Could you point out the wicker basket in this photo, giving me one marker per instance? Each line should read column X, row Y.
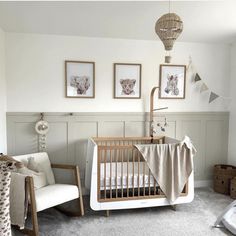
column 222, row 177
column 233, row 188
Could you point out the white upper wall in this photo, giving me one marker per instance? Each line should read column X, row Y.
column 36, row 76
column 2, row 94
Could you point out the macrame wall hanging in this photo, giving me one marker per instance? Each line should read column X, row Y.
column 42, row 128
column 168, row 28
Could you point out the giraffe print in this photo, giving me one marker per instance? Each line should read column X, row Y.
column 6, row 166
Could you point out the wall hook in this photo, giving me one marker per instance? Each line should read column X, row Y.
column 41, row 116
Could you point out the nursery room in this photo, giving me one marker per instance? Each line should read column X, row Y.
column 117, row 118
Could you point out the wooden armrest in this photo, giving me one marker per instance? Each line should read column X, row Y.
column 75, row 168
column 29, row 178
column 63, row 166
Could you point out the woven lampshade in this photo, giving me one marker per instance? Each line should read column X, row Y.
column 168, row 28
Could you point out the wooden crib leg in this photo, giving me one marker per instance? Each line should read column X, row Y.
column 107, row 213
column 174, row 207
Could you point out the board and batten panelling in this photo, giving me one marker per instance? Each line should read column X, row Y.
column 215, row 151
column 68, row 135
column 192, row 128
column 111, row 129
column 135, row 128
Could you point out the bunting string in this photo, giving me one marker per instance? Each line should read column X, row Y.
column 203, row 88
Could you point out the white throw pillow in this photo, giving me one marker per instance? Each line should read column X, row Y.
column 33, row 165
column 42, row 165
column 39, row 178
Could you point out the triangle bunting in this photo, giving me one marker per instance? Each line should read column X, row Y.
column 213, row 96
column 203, row 88
column 197, row 78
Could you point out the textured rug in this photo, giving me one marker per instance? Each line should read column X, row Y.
column 191, row 219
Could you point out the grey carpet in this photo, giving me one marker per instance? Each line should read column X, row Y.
column 191, row 219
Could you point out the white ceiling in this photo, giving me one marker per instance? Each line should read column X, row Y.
column 204, row 21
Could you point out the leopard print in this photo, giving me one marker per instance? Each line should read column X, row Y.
column 127, row 86
column 6, row 166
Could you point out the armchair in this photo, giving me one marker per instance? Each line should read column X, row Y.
column 53, row 194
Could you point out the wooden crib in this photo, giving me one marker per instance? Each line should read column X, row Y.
column 121, row 178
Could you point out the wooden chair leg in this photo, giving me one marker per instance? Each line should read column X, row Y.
column 35, row 227
column 30, row 189
column 174, row 207
column 26, row 231
column 78, row 182
column 81, row 205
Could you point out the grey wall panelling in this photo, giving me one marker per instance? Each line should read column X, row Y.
column 67, row 138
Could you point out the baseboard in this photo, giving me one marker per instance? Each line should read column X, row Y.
column 203, row 183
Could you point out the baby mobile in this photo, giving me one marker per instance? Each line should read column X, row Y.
column 213, row 95
column 42, row 128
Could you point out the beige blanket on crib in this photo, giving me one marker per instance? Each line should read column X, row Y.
column 171, row 164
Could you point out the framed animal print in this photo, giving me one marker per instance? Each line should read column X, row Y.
column 127, row 80
column 80, row 79
column 172, row 81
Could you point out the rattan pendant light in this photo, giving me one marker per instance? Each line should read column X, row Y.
column 168, row 27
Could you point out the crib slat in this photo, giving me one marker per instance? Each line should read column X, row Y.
column 133, row 153
column 144, row 175
column 127, row 179
column 116, row 173
column 105, row 170
column 154, row 186
column 122, row 156
column 138, row 173
column 99, row 175
column 149, row 179
column 110, row 173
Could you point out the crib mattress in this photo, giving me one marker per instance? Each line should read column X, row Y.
column 137, row 175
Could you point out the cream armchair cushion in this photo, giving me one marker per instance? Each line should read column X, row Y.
column 53, row 195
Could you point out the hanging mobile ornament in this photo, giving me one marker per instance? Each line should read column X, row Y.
column 42, row 128
column 165, row 124
column 163, row 129
column 168, row 28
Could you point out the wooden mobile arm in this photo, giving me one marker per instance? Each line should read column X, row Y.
column 151, row 128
